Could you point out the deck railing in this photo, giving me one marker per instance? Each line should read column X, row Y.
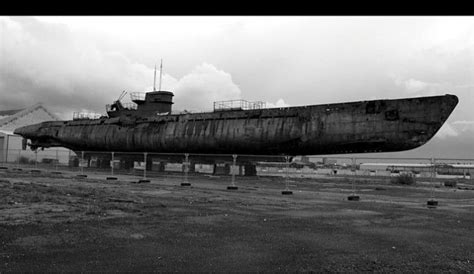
column 86, row 115
column 238, row 105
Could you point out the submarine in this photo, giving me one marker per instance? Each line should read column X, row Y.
column 241, row 127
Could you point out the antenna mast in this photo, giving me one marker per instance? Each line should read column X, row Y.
column 154, row 80
column 161, row 69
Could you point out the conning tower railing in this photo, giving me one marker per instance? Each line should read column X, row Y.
column 238, row 105
column 128, row 106
column 137, row 96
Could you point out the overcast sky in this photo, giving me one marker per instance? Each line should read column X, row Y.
column 79, row 63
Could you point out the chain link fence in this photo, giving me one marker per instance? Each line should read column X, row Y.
column 148, row 165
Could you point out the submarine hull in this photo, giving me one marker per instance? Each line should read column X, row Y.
column 353, row 127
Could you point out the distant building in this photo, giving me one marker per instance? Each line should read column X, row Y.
column 11, row 147
column 464, row 170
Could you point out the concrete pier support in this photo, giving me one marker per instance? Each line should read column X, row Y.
column 221, row 169
column 250, row 170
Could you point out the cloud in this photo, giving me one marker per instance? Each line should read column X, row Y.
column 464, row 126
column 461, row 130
column 44, row 62
column 446, row 131
column 413, row 85
column 280, row 103
column 204, row 85
column 463, row 122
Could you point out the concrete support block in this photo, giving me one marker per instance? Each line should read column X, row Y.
column 353, row 198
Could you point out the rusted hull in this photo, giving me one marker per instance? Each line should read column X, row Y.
column 354, row 127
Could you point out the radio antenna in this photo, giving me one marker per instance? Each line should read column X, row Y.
column 154, row 80
column 161, row 69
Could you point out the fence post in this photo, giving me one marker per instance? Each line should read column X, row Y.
column 57, row 160
column 68, row 159
column 144, row 180
column 432, row 203
column 353, row 196
column 8, row 149
column 186, row 169
column 82, row 162
column 144, row 168
column 353, row 175
column 287, row 190
column 234, row 160
column 36, row 158
column 432, row 177
column 19, row 156
column 112, row 165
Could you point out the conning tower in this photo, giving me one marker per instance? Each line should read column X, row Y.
column 152, row 103
column 146, row 104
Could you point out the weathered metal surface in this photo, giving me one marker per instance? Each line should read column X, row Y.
column 354, row 127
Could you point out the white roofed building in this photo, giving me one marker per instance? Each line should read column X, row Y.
column 11, row 147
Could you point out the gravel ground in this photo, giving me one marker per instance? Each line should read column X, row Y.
column 57, row 222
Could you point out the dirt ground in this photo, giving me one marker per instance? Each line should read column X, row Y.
column 58, row 222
